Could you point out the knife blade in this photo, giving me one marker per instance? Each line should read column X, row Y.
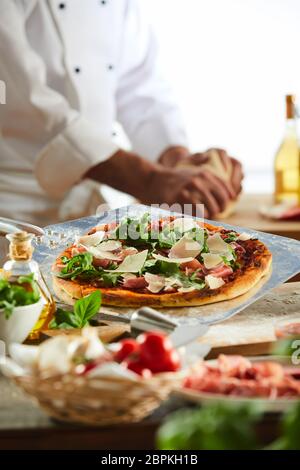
column 186, row 334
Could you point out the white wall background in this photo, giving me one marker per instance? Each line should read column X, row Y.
column 230, row 63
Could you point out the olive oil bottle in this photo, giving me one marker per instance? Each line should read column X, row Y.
column 287, row 160
column 22, row 264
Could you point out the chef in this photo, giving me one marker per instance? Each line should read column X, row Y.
column 72, row 69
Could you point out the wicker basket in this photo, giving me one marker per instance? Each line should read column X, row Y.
column 100, row 400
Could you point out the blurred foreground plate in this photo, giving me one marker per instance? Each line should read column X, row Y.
column 267, row 405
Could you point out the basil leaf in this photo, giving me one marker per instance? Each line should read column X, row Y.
column 84, row 310
column 87, row 307
column 63, row 320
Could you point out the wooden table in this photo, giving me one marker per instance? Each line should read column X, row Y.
column 24, row 426
column 247, row 215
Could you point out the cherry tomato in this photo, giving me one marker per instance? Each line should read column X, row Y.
column 127, row 347
column 138, row 367
column 157, row 354
column 172, row 362
column 153, row 346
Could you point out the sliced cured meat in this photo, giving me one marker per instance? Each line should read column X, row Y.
column 234, row 366
column 221, row 271
column 135, row 283
column 237, row 376
column 101, row 263
column 192, row 266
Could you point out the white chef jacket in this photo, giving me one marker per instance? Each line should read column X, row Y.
column 72, row 69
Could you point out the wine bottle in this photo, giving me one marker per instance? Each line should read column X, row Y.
column 287, row 160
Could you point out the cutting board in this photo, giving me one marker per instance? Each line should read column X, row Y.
column 250, row 332
column 107, row 333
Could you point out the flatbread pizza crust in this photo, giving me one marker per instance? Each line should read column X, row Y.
column 68, row 291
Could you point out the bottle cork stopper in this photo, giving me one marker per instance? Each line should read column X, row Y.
column 290, row 101
column 20, row 248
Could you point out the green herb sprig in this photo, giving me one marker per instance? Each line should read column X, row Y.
column 84, row 310
column 16, row 295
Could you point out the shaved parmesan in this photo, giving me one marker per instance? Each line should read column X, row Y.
column 110, row 245
column 101, row 254
column 216, row 244
column 171, row 260
column 211, row 260
column 100, row 249
column 171, row 282
column 186, row 247
column 132, row 263
column 184, row 224
column 155, row 282
column 127, row 276
column 91, row 240
column 214, row 282
column 244, row 236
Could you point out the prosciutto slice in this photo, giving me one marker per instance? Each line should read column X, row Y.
column 237, row 376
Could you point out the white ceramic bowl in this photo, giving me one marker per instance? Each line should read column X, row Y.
column 17, row 327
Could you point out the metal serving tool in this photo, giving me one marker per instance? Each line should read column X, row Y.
column 147, row 319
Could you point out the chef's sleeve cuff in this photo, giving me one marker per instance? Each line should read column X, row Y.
column 64, row 160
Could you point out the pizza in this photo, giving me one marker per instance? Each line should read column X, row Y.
column 170, row 262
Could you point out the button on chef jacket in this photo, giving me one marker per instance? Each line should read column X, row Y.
column 71, row 70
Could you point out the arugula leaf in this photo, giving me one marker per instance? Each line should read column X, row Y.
column 195, row 281
column 149, row 263
column 78, row 265
column 230, row 237
column 13, row 295
column 3, row 284
column 110, row 279
column 168, row 238
column 29, row 279
column 84, row 310
column 64, row 259
column 133, row 229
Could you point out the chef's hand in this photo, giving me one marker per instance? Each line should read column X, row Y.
column 183, row 187
column 154, row 183
column 179, row 157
